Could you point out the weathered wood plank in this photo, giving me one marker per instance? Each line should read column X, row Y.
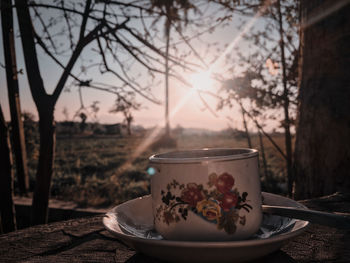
column 320, row 243
column 86, row 240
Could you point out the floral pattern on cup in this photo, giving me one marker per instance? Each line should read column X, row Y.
column 219, row 202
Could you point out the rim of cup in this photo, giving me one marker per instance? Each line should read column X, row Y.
column 204, row 155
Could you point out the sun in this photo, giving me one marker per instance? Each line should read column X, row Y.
column 202, row 81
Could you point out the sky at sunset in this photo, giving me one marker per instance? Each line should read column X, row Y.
column 192, row 114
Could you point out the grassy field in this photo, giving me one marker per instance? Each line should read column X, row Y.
column 88, row 168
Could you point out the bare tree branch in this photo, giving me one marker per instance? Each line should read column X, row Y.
column 48, row 35
column 265, row 133
column 43, row 46
column 84, row 21
column 70, row 35
column 76, row 53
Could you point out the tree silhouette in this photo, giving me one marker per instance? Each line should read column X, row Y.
column 126, row 106
column 104, row 23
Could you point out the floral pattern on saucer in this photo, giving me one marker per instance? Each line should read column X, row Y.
column 218, row 203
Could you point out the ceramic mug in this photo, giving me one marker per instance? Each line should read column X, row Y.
column 206, row 195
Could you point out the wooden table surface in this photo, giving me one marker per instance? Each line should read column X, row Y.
column 86, row 240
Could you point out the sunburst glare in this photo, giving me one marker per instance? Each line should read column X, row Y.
column 202, row 81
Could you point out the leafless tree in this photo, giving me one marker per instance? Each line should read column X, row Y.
column 102, row 22
column 124, row 47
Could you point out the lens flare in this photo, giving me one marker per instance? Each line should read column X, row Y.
column 151, row 171
column 202, row 81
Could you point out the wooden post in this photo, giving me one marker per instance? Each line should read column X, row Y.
column 17, row 131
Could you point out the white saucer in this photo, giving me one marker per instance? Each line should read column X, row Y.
column 132, row 222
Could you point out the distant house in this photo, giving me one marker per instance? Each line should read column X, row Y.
column 117, row 129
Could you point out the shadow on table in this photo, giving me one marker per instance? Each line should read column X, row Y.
column 277, row 257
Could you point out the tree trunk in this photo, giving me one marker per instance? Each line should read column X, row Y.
column 286, row 124
column 128, row 125
column 45, row 166
column 167, row 33
column 46, row 103
column 7, row 208
column 322, row 149
column 17, row 131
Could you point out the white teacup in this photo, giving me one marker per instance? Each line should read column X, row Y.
column 209, row 194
